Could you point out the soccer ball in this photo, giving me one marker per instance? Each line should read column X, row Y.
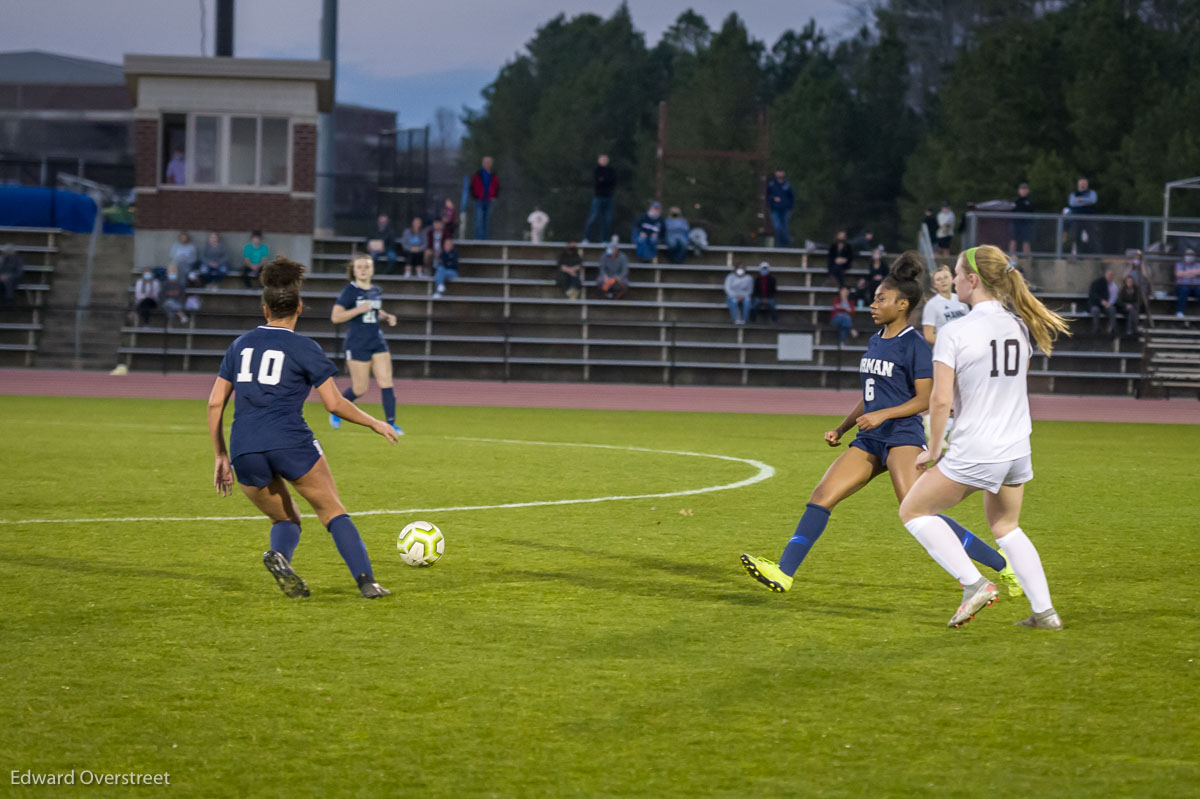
column 421, row 544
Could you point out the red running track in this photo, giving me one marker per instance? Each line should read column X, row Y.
column 598, row 396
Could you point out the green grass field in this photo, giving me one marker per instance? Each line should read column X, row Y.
column 581, row 650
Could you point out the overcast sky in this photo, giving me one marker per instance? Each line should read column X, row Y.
column 403, row 56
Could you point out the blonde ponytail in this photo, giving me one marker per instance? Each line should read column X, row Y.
column 1001, row 277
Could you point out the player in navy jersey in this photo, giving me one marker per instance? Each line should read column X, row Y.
column 897, row 375
column 271, row 370
column 359, row 307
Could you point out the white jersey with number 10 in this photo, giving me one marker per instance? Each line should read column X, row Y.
column 989, row 351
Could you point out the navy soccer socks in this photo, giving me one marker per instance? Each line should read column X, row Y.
column 389, row 404
column 285, row 537
column 976, row 549
column 349, row 393
column 812, row 524
column 350, row 545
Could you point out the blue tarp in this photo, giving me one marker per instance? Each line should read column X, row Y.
column 33, row 206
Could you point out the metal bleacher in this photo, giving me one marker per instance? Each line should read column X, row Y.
column 22, row 320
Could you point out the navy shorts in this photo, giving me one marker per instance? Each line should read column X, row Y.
column 880, row 448
column 364, row 353
column 258, row 469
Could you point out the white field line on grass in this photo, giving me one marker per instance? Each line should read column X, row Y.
column 764, row 472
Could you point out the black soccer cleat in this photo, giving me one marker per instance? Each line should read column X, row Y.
column 289, row 582
column 371, row 589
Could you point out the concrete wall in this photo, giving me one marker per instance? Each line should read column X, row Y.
column 1063, row 275
column 152, row 247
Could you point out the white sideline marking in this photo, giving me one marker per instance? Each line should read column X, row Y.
column 765, row 472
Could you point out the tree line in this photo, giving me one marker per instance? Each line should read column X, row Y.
column 927, row 102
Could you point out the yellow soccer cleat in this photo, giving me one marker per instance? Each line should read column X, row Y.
column 768, row 573
column 1008, row 578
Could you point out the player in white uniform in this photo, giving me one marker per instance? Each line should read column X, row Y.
column 943, row 306
column 980, row 365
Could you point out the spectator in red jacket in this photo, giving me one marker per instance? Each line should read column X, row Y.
column 485, row 186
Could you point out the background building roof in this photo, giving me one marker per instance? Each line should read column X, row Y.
column 37, row 66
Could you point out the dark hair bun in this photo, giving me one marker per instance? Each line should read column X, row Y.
column 909, row 265
column 281, row 273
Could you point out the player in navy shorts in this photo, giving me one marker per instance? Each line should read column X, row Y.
column 897, row 376
column 359, row 308
column 271, row 370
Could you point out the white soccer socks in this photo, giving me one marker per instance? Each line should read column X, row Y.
column 1022, row 555
column 944, row 547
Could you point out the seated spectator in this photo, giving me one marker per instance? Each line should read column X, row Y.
column 879, row 270
column 214, row 261
column 570, row 271
column 1187, row 281
column 174, row 295
column 145, row 297
column 648, row 232
column 676, row 235
column 183, row 252
column 538, row 220
column 842, row 315
column 433, row 243
column 613, row 277
column 253, row 256
column 762, row 299
column 698, row 239
column 841, row 256
column 381, row 244
column 413, row 241
column 449, row 217
column 12, row 268
column 1102, row 301
column 1139, row 270
column 1129, row 304
column 738, row 288
column 447, row 268
column 861, row 295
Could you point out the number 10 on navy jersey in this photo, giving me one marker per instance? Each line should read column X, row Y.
column 270, row 369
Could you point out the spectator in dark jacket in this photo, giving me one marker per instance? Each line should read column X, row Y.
column 931, row 226
column 1022, row 229
column 841, row 256
column 381, row 244
column 12, row 268
column 570, row 271
column 648, row 232
column 1102, row 301
column 604, row 181
column 433, row 244
column 1082, row 204
column 485, row 187
column 1129, row 304
column 447, row 268
column 762, row 298
column 780, row 201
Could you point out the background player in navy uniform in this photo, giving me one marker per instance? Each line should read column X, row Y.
column 359, row 307
column 271, row 370
column 897, row 376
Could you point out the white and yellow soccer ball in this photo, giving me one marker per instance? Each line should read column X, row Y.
column 421, row 544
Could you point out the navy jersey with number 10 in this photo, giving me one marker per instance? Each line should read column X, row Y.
column 888, row 373
column 272, row 370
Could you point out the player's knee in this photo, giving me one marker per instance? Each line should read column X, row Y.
column 824, row 496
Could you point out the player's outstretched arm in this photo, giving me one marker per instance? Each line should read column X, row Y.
column 217, row 400
column 338, row 405
column 918, row 404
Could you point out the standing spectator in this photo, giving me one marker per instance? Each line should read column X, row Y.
column 485, row 187
column 841, row 256
column 676, row 235
column 381, row 244
column 12, row 268
column 174, row 294
column 1187, row 281
column 538, row 220
column 447, row 268
column 183, row 252
column 145, row 297
column 253, row 256
column 604, row 181
column 842, row 315
column 570, row 271
column 780, row 201
column 931, row 226
column 433, row 243
column 613, row 278
column 1022, row 229
column 1129, row 304
column 176, row 169
column 738, row 289
column 1102, row 301
column 413, row 242
column 762, row 298
column 1139, row 270
column 648, row 232
column 945, row 228
column 214, row 261
column 1082, row 203
column 449, row 218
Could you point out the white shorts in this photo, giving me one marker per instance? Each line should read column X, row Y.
column 988, row 476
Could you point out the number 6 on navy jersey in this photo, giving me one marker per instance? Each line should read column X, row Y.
column 270, row 369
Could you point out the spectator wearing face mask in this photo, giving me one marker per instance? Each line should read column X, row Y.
column 739, row 287
column 1187, row 281
column 174, row 294
column 613, row 279
column 145, row 297
column 762, row 299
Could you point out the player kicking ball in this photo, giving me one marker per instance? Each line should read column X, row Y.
column 896, row 375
